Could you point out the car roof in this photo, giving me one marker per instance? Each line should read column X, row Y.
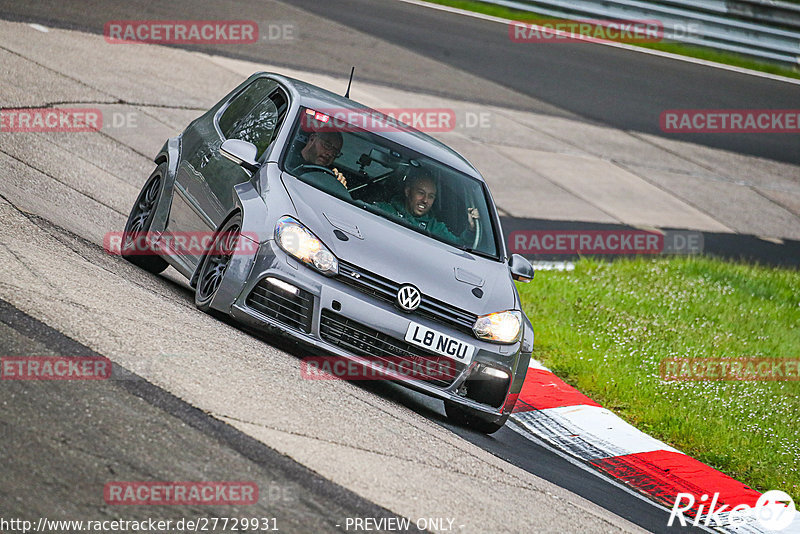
column 312, row 96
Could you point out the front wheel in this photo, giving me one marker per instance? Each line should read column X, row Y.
column 466, row 417
column 134, row 238
column 216, row 260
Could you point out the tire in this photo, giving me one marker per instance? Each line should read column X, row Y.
column 466, row 417
column 139, row 222
column 216, row 260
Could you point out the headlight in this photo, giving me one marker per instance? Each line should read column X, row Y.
column 298, row 241
column 501, row 327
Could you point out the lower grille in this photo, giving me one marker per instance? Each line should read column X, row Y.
column 295, row 311
column 386, row 350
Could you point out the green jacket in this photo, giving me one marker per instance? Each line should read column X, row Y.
column 427, row 222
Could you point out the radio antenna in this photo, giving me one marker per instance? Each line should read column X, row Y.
column 352, row 70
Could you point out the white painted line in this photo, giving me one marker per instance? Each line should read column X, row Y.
column 536, row 364
column 612, row 44
column 589, row 432
column 794, row 526
column 39, row 27
column 751, row 525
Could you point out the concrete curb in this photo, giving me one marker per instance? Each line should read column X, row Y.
column 551, row 410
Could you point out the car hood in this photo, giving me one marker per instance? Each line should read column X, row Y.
column 402, row 255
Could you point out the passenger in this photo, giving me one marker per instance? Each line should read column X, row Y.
column 419, row 195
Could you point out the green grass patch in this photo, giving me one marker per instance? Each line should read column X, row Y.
column 605, row 327
column 708, row 54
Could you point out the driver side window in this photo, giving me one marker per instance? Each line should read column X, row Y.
column 254, row 117
column 258, row 126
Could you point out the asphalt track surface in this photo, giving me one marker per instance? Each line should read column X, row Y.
column 610, row 86
column 149, row 324
column 146, row 433
column 620, row 88
column 149, row 433
column 162, row 416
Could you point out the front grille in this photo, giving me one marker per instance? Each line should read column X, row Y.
column 386, row 290
column 381, row 348
column 293, row 311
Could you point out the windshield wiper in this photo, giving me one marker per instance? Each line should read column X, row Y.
column 369, row 207
column 474, row 251
column 372, row 181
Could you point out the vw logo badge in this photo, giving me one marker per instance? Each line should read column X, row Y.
column 408, row 298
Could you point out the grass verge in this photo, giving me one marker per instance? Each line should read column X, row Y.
column 605, row 327
column 698, row 52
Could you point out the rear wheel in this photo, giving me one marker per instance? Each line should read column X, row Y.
column 134, row 247
column 216, row 260
column 466, row 417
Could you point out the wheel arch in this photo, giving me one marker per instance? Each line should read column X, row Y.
column 525, row 353
column 253, row 211
column 169, row 154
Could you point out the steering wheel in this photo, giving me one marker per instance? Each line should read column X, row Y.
column 477, row 234
column 311, row 167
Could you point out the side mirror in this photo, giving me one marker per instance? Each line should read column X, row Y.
column 521, row 269
column 240, row 152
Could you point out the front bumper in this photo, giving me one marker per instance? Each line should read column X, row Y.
column 329, row 297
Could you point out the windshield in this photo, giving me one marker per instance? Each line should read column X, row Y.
column 392, row 181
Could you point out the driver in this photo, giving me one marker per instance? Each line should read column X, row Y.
column 322, row 149
column 419, row 195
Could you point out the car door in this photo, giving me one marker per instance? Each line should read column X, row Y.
column 205, row 179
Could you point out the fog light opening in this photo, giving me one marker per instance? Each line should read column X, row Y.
column 284, row 286
column 495, row 373
column 487, row 385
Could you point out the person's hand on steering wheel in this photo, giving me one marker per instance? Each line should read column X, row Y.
column 472, row 216
column 339, row 176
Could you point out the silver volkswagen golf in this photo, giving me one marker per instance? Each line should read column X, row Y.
column 348, row 231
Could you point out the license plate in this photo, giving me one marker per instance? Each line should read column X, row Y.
column 434, row 341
